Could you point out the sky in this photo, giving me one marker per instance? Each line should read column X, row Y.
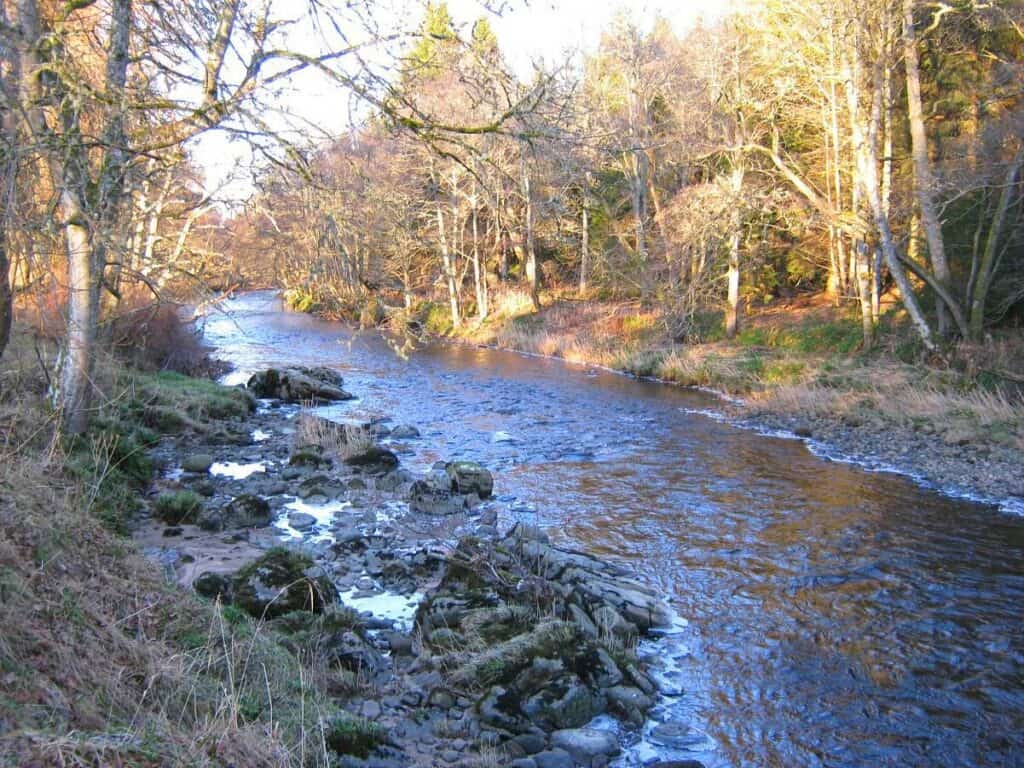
column 527, row 31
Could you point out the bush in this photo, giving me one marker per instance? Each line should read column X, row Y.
column 350, row 735
column 179, row 507
column 154, row 336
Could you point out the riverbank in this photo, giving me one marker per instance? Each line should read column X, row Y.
column 797, row 369
column 353, row 611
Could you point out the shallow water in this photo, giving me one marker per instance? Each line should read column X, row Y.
column 837, row 617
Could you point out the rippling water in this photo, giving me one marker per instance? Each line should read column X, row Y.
column 836, row 617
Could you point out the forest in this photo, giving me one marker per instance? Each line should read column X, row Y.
column 869, row 153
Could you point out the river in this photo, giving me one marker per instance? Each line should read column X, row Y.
column 836, row 617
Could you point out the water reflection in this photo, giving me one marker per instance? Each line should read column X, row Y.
column 837, row 617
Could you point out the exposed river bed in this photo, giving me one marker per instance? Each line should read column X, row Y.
column 835, row 617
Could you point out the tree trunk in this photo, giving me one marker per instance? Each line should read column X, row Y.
column 449, row 269
column 865, row 147
column 924, row 181
column 732, row 312
column 479, row 278
column 529, row 245
column 584, row 243
column 989, row 260
column 6, row 298
column 864, row 294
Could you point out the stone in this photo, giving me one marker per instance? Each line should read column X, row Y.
column 584, row 744
column 427, row 499
column 281, row 581
column 567, row 704
column 370, row 710
column 299, row 385
column 675, row 735
column 523, row 762
column 245, row 511
column 469, row 477
column 404, row 432
column 554, row 758
column 629, row 702
column 374, row 460
column 301, row 521
column 441, row 699
column 213, row 585
column 197, row 463
column 399, row 643
column 532, row 743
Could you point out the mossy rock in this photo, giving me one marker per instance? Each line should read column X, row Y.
column 282, row 581
column 308, row 458
column 197, row 463
column 350, row 735
column 469, row 477
column 178, row 507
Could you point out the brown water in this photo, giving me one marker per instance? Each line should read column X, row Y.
column 837, row 617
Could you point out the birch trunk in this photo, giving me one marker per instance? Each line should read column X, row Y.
column 924, row 180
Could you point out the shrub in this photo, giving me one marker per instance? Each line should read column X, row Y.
column 179, row 507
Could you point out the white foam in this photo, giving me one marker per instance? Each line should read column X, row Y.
column 237, row 471
column 258, row 435
column 322, row 513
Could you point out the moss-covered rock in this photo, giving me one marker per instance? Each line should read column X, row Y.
column 469, row 477
column 282, row 581
column 350, row 735
column 197, row 463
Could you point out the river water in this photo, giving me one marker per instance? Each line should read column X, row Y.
column 836, row 617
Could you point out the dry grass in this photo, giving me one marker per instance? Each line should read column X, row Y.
column 103, row 661
column 340, row 441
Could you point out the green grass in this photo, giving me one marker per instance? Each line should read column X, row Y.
column 178, row 507
column 839, row 336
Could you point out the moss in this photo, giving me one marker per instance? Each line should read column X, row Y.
column 350, row 735
column 307, row 458
column 178, row 507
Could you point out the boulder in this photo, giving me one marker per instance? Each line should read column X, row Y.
column 584, row 744
column 281, row 581
column 298, row 385
column 197, row 463
column 213, row 585
column 301, row 521
column 404, row 432
column 427, row 499
column 469, row 477
column 244, row 511
column 374, row 460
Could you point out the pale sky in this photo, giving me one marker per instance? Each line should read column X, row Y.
column 527, row 31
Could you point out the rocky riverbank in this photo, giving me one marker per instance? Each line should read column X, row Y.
column 950, row 461
column 448, row 640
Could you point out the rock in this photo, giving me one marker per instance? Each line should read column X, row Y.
column 301, row 521
column 349, row 650
column 427, row 499
column 281, row 581
column 405, row 432
column 532, row 743
column 469, row 477
column 213, row 585
column 245, row 511
column 802, row 430
column 370, row 710
column 374, row 460
column 554, row 758
column 584, row 744
column 523, row 762
column 441, row 699
column 521, row 532
column 399, row 643
column 678, row 764
column 566, row 704
column 629, row 702
column 298, row 385
column 675, row 735
column 197, row 463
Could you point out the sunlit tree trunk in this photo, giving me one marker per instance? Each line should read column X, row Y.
column 924, row 180
column 529, row 245
column 448, row 266
column 732, row 311
column 585, row 239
